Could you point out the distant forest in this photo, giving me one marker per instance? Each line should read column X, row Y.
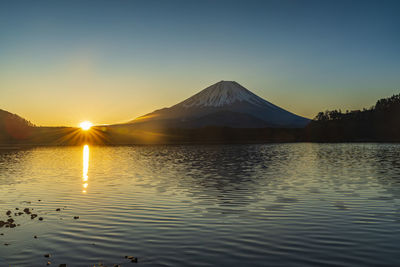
column 380, row 123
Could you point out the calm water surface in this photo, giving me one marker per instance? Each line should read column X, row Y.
column 230, row 205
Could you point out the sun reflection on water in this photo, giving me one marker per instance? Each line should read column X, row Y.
column 85, row 167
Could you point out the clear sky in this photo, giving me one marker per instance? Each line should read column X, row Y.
column 62, row 62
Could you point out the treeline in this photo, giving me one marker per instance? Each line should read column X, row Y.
column 380, row 123
column 233, row 135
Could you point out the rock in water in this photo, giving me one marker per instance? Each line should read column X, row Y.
column 27, row 211
column 133, row 259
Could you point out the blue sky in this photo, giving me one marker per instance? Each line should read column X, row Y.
column 62, row 62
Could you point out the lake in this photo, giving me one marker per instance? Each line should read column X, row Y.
column 211, row 205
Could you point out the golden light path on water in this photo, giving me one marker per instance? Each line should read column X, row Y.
column 85, row 167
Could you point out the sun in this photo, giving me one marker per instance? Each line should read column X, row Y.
column 85, row 125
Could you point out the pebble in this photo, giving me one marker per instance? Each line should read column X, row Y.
column 40, row 218
column 8, row 224
column 27, row 211
column 47, row 255
column 76, row 217
column 8, row 212
column 34, row 236
column 58, row 209
column 133, row 259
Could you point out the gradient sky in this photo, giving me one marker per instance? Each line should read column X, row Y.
column 62, row 62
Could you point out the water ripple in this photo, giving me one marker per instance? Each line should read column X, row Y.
column 217, row 205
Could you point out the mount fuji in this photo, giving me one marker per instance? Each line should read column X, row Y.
column 224, row 104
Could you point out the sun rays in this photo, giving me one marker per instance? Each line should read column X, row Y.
column 86, row 134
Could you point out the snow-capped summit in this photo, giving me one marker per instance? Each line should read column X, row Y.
column 226, row 104
column 221, row 94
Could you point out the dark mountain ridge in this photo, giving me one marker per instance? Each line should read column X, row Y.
column 380, row 123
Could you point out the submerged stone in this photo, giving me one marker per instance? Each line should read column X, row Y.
column 27, row 211
column 133, row 259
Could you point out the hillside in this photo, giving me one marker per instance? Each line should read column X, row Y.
column 13, row 128
column 379, row 123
